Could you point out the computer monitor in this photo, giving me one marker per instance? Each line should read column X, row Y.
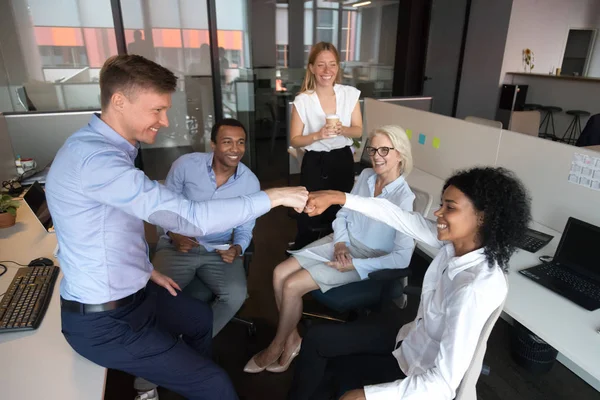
column 365, row 159
column 8, row 170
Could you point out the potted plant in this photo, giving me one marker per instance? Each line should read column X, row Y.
column 8, row 211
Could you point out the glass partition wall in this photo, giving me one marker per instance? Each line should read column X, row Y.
column 51, row 54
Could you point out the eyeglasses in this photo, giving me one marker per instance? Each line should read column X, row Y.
column 383, row 151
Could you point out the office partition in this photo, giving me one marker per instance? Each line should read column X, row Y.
column 440, row 144
column 544, row 167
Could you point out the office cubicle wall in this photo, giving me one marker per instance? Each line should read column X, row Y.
column 440, row 144
column 8, row 169
column 544, row 167
column 420, row 103
column 40, row 135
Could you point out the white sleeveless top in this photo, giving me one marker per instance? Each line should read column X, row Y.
column 312, row 115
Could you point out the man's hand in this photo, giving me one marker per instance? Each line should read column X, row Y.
column 230, row 255
column 320, row 201
column 164, row 281
column 356, row 394
column 294, row 197
column 342, row 253
column 182, row 243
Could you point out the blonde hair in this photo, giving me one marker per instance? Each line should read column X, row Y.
column 400, row 142
column 309, row 83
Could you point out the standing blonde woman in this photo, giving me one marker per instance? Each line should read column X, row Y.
column 328, row 162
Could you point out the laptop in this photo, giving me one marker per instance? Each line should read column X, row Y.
column 36, row 200
column 365, row 160
column 574, row 272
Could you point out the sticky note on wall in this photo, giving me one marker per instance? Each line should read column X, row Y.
column 422, row 138
column 436, row 142
column 409, row 134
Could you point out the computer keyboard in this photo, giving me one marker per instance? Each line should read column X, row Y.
column 580, row 285
column 24, row 305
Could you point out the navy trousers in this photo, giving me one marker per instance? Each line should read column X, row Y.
column 162, row 338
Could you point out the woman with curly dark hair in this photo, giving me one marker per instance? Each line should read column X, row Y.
column 482, row 217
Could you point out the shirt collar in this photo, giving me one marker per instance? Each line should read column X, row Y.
column 111, row 135
column 462, row 263
column 209, row 162
column 390, row 187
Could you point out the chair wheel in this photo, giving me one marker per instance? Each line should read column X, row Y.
column 251, row 330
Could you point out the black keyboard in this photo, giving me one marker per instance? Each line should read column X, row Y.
column 24, row 305
column 534, row 240
column 586, row 288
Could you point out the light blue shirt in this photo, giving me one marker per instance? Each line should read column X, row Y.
column 192, row 175
column 99, row 200
column 376, row 235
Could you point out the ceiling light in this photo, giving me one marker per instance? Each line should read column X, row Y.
column 364, row 3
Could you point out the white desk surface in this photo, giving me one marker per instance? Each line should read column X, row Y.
column 40, row 364
column 569, row 328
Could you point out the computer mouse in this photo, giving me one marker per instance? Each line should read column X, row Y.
column 41, row 262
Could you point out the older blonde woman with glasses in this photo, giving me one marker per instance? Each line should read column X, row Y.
column 357, row 246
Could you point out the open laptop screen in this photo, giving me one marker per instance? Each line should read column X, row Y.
column 36, row 200
column 577, row 248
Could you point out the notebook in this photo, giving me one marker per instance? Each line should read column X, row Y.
column 36, row 200
column 574, row 272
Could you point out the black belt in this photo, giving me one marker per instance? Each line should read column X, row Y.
column 81, row 308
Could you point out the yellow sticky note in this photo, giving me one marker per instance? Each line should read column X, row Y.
column 409, row 133
column 435, row 143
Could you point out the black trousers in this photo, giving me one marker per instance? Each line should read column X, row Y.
column 143, row 339
column 323, row 170
column 336, row 358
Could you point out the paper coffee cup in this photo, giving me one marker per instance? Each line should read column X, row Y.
column 332, row 119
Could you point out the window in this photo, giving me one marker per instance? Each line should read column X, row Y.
column 282, row 55
column 55, row 59
column 281, row 35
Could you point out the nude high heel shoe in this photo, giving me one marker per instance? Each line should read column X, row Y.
column 278, row 368
column 253, row 368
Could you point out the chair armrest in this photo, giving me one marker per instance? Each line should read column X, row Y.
column 412, row 290
column 390, row 274
column 250, row 249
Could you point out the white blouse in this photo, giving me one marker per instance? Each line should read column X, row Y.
column 312, row 115
column 459, row 295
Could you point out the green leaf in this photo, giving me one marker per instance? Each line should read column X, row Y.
column 12, row 211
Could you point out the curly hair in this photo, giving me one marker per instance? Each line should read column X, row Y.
column 505, row 204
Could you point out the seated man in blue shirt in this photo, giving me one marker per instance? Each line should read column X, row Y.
column 193, row 263
column 116, row 310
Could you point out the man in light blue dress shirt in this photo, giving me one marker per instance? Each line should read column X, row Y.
column 207, row 273
column 116, row 310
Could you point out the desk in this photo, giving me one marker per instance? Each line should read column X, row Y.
column 40, row 364
column 568, row 328
column 594, row 148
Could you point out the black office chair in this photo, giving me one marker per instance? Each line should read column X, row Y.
column 247, row 259
column 363, row 297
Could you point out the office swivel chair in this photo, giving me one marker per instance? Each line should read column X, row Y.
column 248, row 254
column 203, row 293
column 370, row 294
column 152, row 235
